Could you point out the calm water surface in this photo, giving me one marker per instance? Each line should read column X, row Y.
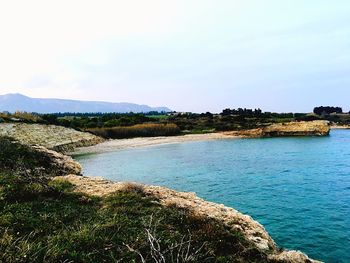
column 298, row 188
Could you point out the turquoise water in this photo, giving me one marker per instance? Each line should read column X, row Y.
column 298, row 188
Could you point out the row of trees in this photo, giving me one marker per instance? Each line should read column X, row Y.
column 322, row 110
column 242, row 112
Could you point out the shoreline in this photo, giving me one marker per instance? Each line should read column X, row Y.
column 254, row 232
column 121, row 144
column 340, row 127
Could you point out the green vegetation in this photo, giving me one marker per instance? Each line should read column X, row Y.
column 323, row 110
column 128, row 125
column 45, row 221
column 23, row 159
column 139, row 130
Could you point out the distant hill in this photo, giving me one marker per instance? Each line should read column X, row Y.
column 19, row 102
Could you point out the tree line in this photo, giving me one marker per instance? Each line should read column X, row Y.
column 322, row 110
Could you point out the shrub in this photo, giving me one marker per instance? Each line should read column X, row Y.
column 27, row 117
column 139, row 130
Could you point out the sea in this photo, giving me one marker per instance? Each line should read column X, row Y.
column 298, row 188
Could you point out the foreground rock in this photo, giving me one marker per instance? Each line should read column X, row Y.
column 250, row 229
column 50, row 136
column 302, row 128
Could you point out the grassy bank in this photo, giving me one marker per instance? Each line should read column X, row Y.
column 46, row 221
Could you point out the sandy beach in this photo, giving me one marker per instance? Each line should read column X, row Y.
column 120, row 144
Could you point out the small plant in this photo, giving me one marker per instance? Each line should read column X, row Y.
column 181, row 250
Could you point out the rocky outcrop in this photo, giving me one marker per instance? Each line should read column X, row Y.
column 48, row 141
column 50, row 136
column 234, row 220
column 291, row 256
column 294, row 128
column 59, row 164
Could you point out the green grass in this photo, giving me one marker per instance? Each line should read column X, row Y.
column 46, row 221
column 57, row 225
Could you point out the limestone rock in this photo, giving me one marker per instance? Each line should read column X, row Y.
column 291, row 256
column 50, row 136
column 294, row 128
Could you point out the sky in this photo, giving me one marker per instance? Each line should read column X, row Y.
column 188, row 55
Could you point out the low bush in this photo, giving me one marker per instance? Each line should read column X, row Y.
column 139, row 130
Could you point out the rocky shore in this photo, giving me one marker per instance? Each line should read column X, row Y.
column 252, row 231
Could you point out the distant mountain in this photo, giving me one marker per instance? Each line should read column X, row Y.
column 19, row 102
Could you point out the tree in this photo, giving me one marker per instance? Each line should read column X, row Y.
column 322, row 110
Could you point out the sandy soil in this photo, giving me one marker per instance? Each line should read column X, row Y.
column 113, row 145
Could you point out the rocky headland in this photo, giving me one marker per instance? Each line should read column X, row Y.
column 301, row 128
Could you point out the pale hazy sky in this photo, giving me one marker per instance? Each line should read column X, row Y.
column 188, row 55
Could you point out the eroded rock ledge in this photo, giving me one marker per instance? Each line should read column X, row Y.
column 302, row 128
column 52, row 137
column 250, row 229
